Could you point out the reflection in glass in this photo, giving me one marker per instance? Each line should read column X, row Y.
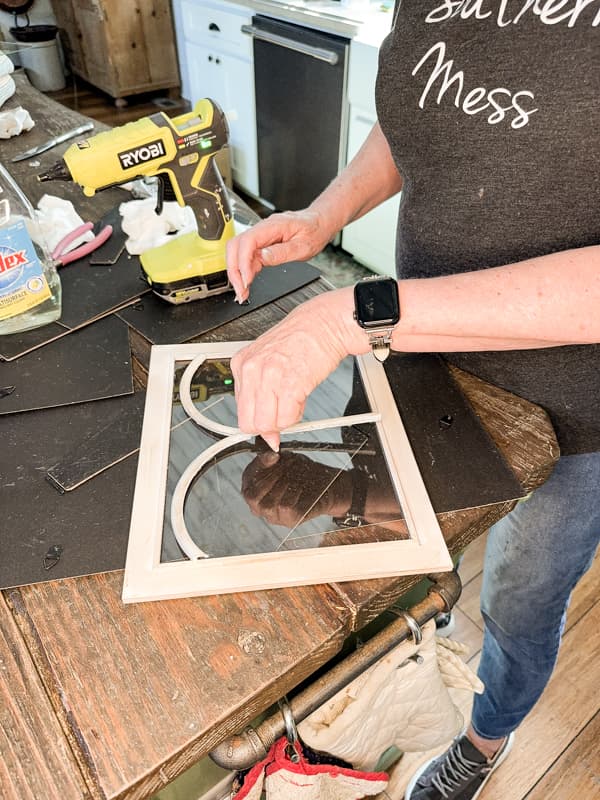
column 249, row 500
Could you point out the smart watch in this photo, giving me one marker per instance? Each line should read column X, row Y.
column 377, row 311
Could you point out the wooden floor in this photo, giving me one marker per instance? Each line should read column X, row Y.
column 88, row 100
column 557, row 749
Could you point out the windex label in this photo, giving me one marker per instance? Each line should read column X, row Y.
column 10, row 260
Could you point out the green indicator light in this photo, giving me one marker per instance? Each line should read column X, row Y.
column 204, row 144
column 228, row 381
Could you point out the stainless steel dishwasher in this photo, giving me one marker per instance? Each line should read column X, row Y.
column 301, row 109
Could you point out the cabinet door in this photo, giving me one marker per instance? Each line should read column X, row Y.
column 228, row 80
column 372, row 238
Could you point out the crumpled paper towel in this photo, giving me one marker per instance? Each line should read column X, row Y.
column 14, row 121
column 146, row 229
column 7, row 87
column 6, row 65
column 54, row 219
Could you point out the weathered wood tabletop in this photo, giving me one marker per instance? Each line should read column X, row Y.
column 103, row 700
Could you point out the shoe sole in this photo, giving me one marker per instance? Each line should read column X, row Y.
column 507, row 748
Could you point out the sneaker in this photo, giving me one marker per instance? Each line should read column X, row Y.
column 458, row 774
column 445, row 623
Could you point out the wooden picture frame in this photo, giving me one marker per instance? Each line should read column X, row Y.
column 147, row 577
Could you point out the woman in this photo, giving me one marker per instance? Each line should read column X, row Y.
column 488, row 121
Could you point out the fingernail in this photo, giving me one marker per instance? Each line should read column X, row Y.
column 266, row 254
column 272, row 439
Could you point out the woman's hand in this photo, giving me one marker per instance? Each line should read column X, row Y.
column 275, row 374
column 289, row 236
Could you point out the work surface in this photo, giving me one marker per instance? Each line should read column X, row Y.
column 102, row 700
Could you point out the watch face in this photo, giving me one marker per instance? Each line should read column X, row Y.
column 377, row 302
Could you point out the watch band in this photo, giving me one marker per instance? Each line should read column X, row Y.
column 355, row 516
column 380, row 340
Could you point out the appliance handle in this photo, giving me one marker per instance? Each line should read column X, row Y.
column 320, row 53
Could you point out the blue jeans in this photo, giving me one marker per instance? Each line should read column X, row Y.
column 533, row 560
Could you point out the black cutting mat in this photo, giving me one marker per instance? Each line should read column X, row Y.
column 163, row 323
column 17, row 344
column 116, row 436
column 88, row 293
column 461, row 468
column 461, row 465
column 90, row 364
column 91, row 524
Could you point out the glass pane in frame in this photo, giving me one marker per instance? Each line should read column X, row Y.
column 249, row 519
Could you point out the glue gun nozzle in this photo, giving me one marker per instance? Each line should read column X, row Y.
column 58, row 172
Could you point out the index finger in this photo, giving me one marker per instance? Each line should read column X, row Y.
column 251, row 242
column 233, row 270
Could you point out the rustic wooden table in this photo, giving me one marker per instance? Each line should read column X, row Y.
column 103, row 700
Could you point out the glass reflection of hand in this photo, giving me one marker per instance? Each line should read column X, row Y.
column 285, row 488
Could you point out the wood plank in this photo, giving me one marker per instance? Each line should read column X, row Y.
column 467, row 632
column 149, row 688
column 570, row 702
column 529, row 444
column 472, row 560
column 159, row 37
column 576, row 774
column 469, row 601
column 130, row 57
column 585, row 594
column 36, row 760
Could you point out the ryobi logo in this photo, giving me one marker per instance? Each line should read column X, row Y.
column 139, row 155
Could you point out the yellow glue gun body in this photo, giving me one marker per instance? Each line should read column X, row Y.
column 180, row 152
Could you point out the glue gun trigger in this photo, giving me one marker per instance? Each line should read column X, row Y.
column 165, row 191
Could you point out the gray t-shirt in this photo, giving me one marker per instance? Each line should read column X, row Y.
column 492, row 112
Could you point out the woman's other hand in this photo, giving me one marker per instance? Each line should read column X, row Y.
column 288, row 236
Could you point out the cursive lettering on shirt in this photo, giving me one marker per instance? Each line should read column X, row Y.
column 500, row 101
column 549, row 12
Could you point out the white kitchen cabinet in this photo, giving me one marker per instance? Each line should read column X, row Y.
column 371, row 239
column 216, row 61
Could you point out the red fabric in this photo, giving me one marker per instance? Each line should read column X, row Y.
column 277, row 759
